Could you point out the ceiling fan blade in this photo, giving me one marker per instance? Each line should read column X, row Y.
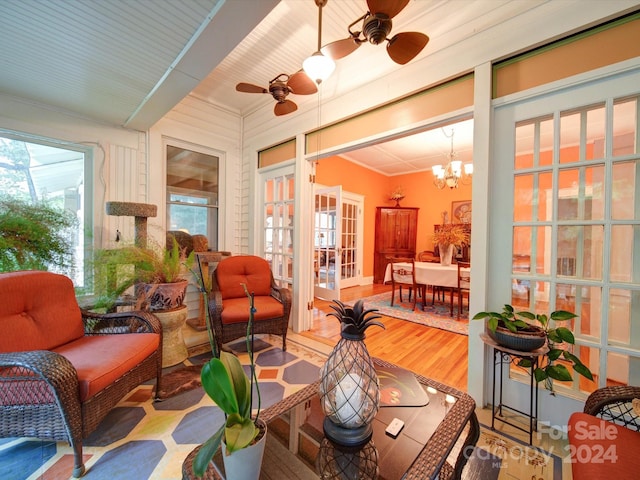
column 282, row 108
column 389, row 7
column 340, row 48
column 249, row 88
column 301, row 84
column 403, row 47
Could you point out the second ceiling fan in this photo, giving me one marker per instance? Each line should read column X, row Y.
column 376, row 26
column 281, row 86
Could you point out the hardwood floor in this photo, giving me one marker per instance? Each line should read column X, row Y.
column 431, row 352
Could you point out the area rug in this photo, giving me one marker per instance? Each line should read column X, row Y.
column 436, row 316
column 143, row 439
column 501, row 457
column 183, row 379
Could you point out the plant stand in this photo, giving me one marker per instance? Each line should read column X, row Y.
column 502, row 356
column 174, row 350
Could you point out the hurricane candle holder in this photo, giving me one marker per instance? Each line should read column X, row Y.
column 349, row 387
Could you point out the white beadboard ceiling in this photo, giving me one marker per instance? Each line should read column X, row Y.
column 128, row 62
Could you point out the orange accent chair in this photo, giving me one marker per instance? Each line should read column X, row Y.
column 604, row 439
column 229, row 304
column 62, row 369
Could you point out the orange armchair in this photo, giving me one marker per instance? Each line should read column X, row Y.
column 229, row 305
column 62, row 369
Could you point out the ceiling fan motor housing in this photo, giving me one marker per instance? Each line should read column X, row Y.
column 376, row 28
column 279, row 90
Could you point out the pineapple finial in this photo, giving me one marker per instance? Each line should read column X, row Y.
column 354, row 320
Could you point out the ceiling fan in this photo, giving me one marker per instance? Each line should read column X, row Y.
column 376, row 26
column 281, row 86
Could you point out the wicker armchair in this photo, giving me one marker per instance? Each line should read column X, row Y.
column 229, row 305
column 604, row 439
column 614, row 404
column 61, row 369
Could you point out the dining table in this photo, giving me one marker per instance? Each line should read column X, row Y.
column 434, row 274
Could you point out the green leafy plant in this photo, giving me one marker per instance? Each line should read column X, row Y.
column 35, row 236
column 556, row 336
column 118, row 269
column 227, row 384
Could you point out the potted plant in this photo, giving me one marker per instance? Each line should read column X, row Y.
column 35, row 236
column 242, row 436
column 157, row 273
column 447, row 237
column 527, row 331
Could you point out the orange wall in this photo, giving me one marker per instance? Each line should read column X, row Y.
column 376, row 188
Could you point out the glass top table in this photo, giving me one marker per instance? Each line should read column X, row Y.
column 296, row 447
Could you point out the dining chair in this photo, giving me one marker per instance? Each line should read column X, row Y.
column 431, row 257
column 428, row 256
column 464, row 284
column 403, row 275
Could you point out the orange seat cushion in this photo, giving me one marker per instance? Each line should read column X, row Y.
column 100, row 360
column 601, row 449
column 236, row 310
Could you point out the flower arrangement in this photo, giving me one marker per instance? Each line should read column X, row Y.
column 397, row 195
column 451, row 234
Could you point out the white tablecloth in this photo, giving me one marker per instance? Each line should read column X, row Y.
column 431, row 273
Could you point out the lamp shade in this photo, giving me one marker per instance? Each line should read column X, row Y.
column 318, row 67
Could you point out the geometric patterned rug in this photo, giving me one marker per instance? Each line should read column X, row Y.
column 437, row 315
column 141, row 439
column 498, row 456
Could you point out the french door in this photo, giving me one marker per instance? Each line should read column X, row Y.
column 277, row 233
column 337, row 241
column 571, row 222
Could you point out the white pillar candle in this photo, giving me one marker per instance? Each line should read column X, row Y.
column 349, row 399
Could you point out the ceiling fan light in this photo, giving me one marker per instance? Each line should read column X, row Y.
column 318, row 67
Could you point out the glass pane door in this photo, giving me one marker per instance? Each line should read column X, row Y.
column 278, row 226
column 327, row 259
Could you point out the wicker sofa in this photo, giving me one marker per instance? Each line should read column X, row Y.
column 604, row 439
column 61, row 369
column 229, row 305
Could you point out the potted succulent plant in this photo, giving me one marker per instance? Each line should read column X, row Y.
column 447, row 237
column 242, row 436
column 527, row 331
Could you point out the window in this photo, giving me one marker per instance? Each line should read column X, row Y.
column 192, row 192
column 36, row 169
column 576, row 230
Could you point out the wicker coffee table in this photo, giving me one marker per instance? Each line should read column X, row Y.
column 419, row 452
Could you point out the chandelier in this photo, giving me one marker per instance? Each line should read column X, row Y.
column 453, row 172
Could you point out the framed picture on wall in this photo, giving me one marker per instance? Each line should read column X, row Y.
column 461, row 211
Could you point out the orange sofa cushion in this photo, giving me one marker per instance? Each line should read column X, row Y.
column 236, row 310
column 38, row 311
column 601, row 449
column 251, row 270
column 100, row 360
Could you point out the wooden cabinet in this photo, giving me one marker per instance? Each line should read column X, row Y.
column 396, row 231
